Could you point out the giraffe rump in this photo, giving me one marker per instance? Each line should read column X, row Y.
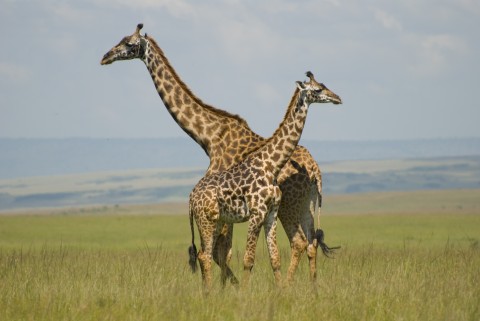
column 327, row 251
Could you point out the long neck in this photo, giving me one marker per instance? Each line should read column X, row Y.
column 198, row 120
column 280, row 146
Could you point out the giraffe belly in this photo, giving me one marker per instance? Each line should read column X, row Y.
column 234, row 210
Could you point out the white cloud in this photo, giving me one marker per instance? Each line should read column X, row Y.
column 69, row 13
column 240, row 31
column 266, row 93
column 387, row 20
column 444, row 42
column 435, row 53
column 14, row 73
column 177, row 8
column 472, row 6
column 64, row 44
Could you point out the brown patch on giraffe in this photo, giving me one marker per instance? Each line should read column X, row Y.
column 198, row 125
column 168, row 77
column 185, row 121
column 275, row 157
column 188, row 113
column 167, row 87
column 160, row 72
column 187, row 99
column 177, row 99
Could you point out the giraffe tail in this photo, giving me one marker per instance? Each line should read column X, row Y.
column 319, row 234
column 327, row 250
column 192, row 250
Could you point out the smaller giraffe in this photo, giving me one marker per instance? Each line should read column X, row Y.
column 248, row 191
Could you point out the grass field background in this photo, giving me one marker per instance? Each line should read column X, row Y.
column 404, row 256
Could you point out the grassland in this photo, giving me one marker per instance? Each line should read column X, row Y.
column 404, row 256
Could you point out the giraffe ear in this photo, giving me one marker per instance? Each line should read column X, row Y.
column 300, row 85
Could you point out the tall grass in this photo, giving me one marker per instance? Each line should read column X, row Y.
column 135, row 267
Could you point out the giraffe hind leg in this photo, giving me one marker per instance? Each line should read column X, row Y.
column 298, row 245
column 296, row 236
column 222, row 254
column 208, row 238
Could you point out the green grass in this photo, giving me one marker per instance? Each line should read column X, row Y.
column 129, row 263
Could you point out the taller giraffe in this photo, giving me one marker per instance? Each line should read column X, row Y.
column 227, row 139
column 248, row 191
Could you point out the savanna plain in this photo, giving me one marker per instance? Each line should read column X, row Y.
column 403, row 256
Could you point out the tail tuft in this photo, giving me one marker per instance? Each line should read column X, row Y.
column 192, row 253
column 327, row 251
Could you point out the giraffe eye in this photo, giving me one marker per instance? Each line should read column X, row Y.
column 129, row 45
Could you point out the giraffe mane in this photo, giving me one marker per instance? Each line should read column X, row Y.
column 212, row 109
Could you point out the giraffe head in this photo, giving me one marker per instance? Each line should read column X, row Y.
column 130, row 47
column 315, row 92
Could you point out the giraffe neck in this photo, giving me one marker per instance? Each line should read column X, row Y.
column 278, row 149
column 200, row 121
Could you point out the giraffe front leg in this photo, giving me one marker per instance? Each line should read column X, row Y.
column 270, row 226
column 254, row 228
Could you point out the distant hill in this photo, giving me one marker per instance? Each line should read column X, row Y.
column 80, row 172
column 147, row 186
column 44, row 157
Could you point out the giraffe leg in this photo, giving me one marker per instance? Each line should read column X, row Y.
column 249, row 257
column 290, row 219
column 207, row 235
column 223, row 252
column 294, row 207
column 228, row 250
column 312, row 259
column 308, row 225
column 270, row 226
column 298, row 244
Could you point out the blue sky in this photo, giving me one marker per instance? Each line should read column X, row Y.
column 404, row 69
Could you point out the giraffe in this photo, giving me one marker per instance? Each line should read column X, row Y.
column 248, row 191
column 227, row 139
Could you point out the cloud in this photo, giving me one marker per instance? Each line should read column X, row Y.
column 63, row 44
column 387, row 20
column 266, row 93
column 69, row 13
column 435, row 53
column 177, row 8
column 444, row 42
column 240, row 32
column 472, row 6
column 14, row 73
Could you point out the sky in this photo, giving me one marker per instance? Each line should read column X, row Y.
column 405, row 69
